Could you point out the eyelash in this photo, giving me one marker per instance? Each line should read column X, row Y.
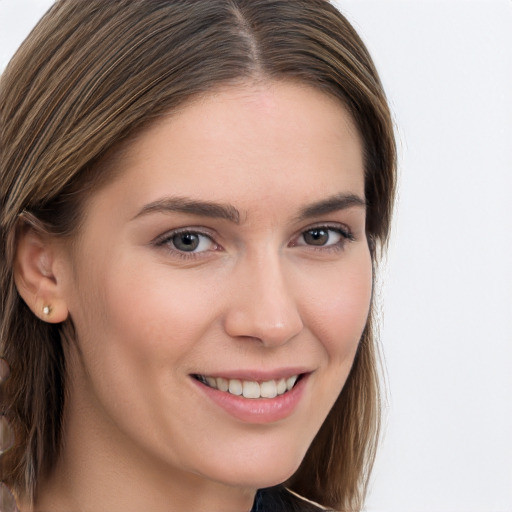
column 344, row 232
column 166, row 240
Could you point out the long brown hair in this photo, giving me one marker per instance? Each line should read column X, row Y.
column 91, row 75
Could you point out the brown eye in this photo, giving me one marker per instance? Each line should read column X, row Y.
column 317, row 236
column 324, row 237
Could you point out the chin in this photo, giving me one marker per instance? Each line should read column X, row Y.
column 258, row 478
column 260, row 470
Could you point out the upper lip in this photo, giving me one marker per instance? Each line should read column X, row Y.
column 257, row 375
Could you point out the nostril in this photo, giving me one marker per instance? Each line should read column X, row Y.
column 253, row 326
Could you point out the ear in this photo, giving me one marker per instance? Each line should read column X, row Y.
column 37, row 275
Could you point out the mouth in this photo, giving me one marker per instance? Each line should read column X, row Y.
column 250, row 389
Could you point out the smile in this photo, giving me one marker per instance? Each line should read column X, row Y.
column 250, row 389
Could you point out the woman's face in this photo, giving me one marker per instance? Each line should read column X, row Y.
column 230, row 253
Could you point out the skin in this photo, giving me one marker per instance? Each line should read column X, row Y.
column 139, row 433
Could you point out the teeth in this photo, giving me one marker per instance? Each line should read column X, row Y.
column 291, row 382
column 281, row 386
column 235, row 387
column 250, row 389
column 222, row 384
column 268, row 389
column 202, row 379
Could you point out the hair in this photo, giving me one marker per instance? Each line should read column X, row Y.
column 90, row 76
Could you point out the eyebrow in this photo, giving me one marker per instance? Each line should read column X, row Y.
column 330, row 205
column 193, row 207
column 229, row 212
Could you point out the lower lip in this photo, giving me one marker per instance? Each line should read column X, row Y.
column 256, row 410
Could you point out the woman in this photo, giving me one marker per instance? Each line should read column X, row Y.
column 193, row 195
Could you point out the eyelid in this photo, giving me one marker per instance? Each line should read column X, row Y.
column 344, row 230
column 165, row 238
column 186, row 229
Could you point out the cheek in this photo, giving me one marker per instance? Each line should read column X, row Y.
column 152, row 315
column 338, row 311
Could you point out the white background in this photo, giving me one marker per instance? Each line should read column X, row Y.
column 447, row 287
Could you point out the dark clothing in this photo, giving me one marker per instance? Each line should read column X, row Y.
column 278, row 499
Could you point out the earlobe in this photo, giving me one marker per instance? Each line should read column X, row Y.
column 36, row 278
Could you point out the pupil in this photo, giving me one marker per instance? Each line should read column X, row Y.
column 316, row 236
column 186, row 241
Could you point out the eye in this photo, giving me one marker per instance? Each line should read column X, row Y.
column 188, row 242
column 324, row 236
column 321, row 236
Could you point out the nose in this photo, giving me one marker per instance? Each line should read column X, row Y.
column 262, row 304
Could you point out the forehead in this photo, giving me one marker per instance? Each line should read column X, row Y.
column 246, row 142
